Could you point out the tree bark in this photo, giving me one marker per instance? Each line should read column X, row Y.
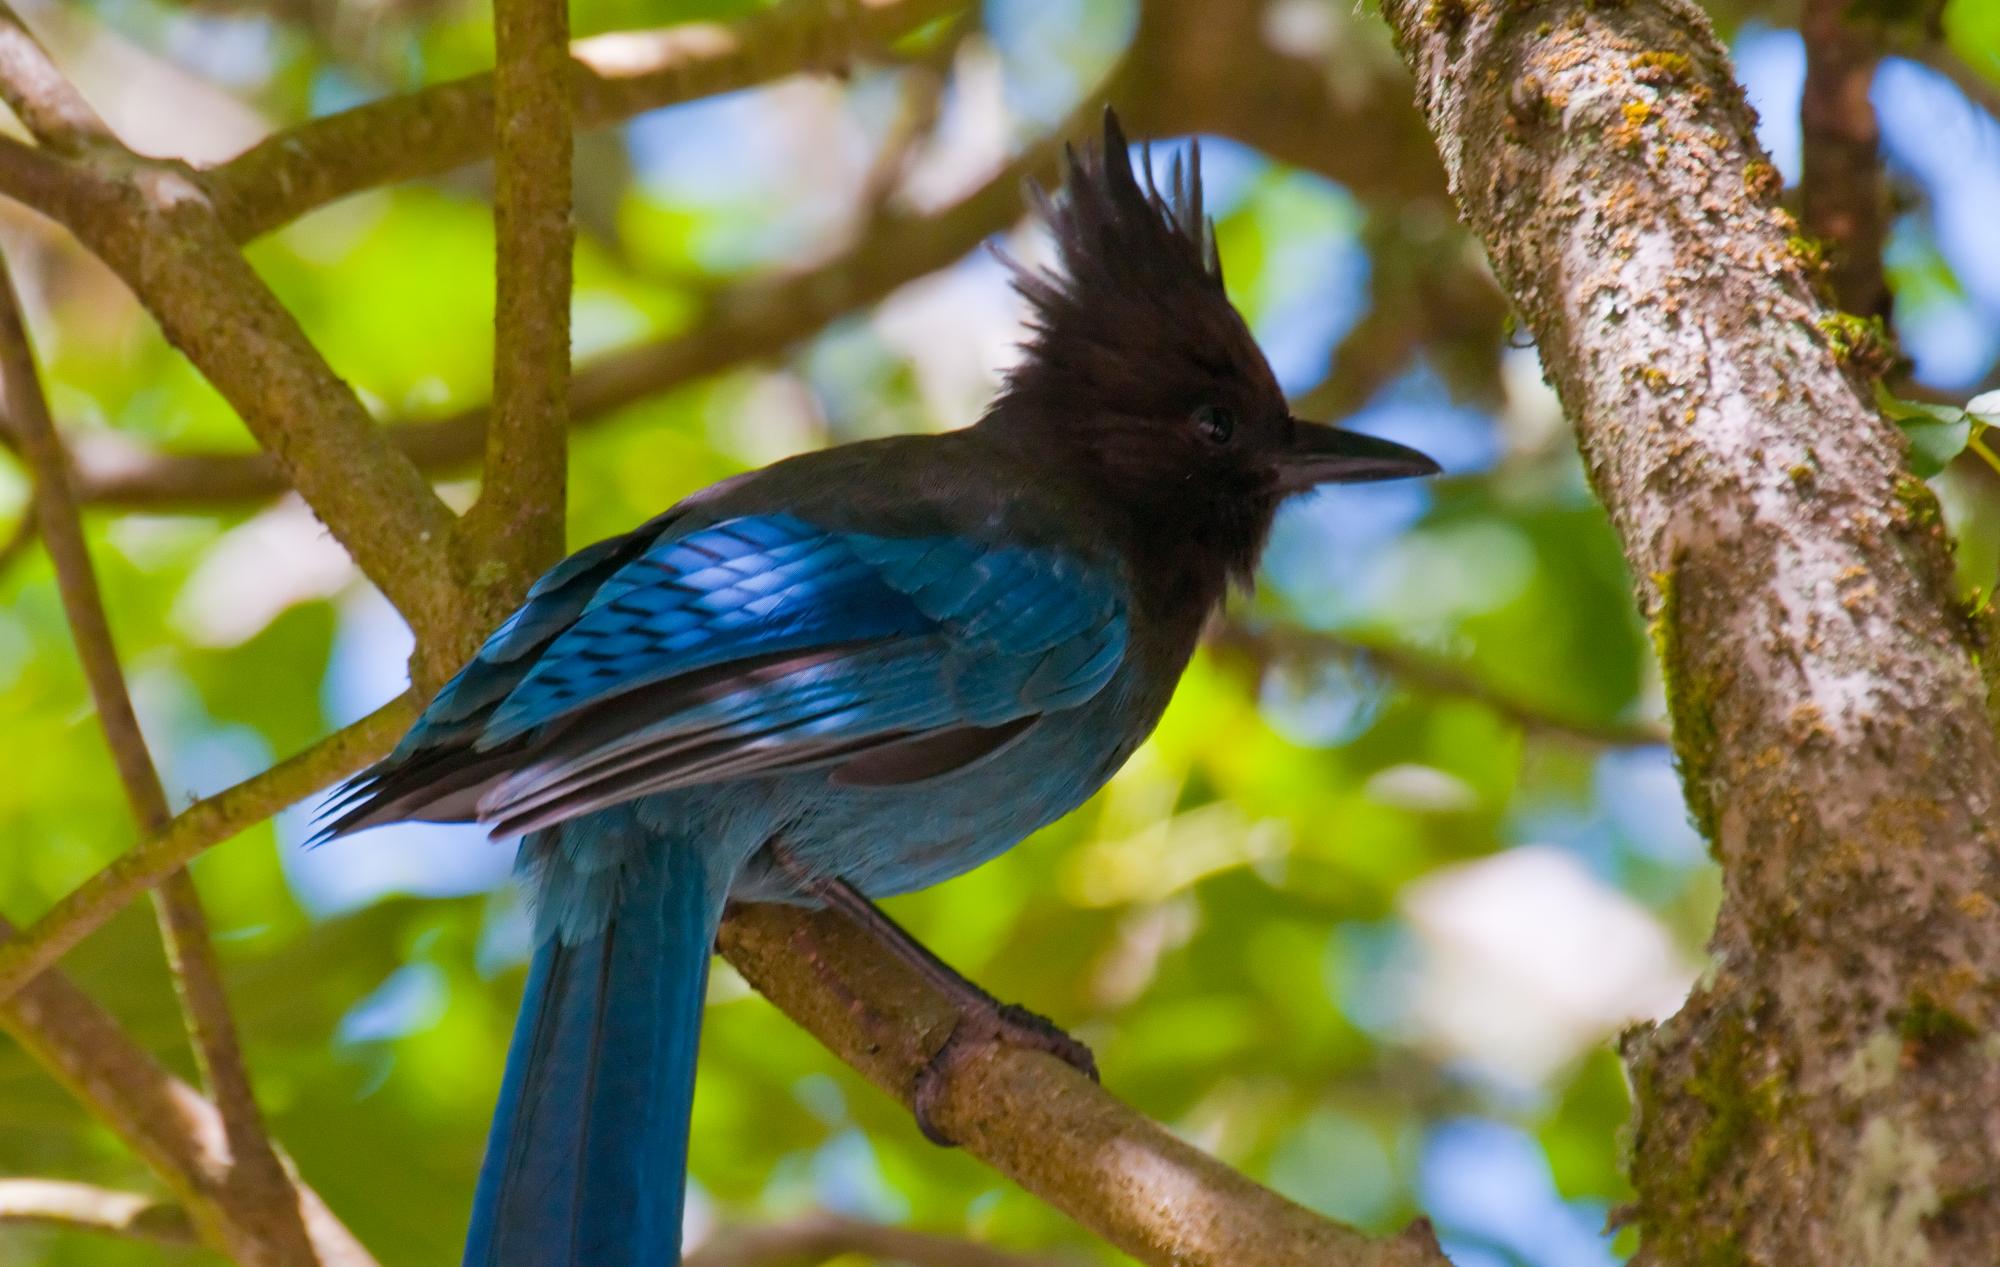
column 1830, row 1093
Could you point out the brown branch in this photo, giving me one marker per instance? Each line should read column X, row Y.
column 82, row 1207
column 449, row 125
column 36, row 178
column 1034, row 1118
column 153, row 224
column 516, row 530
column 206, row 823
column 754, row 320
column 1824, row 1096
column 814, row 1238
column 49, row 105
column 255, row 1172
column 169, row 1125
column 1843, row 200
column 1430, row 675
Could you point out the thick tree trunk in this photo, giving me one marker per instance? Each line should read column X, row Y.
column 1830, row 1094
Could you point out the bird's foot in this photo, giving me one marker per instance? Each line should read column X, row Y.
column 1006, row 1024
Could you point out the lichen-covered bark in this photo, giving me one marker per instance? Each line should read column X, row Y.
column 1830, row 1094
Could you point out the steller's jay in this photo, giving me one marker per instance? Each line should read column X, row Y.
column 855, row 672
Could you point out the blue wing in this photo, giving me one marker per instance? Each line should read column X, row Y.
column 755, row 645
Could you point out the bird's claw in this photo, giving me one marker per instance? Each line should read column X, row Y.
column 1003, row 1023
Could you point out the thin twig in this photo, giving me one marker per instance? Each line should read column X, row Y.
column 516, row 529
column 750, row 321
column 616, row 76
column 168, row 1124
column 206, row 823
column 1843, row 201
column 83, row 1207
column 153, row 224
column 1432, row 675
column 814, row 1238
column 190, row 952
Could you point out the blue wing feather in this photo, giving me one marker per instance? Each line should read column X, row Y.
column 754, row 645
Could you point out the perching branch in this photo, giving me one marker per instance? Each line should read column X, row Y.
column 1842, row 199
column 449, row 125
column 82, row 1207
column 1825, row 1095
column 208, row 822
column 254, row 1169
column 814, row 1238
column 516, row 530
column 1035, row 1119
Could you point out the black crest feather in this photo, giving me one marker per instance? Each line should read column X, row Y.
column 1137, row 289
column 1118, row 236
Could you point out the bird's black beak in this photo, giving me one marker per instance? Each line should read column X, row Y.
column 1320, row 454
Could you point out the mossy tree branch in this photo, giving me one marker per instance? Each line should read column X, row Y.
column 1828, row 1093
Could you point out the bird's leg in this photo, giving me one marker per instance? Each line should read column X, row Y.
column 981, row 1017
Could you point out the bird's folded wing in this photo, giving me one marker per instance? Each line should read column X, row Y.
column 760, row 645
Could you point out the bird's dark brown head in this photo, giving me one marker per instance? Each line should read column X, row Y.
column 1141, row 374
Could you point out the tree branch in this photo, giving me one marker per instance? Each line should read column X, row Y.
column 49, row 105
column 1842, row 198
column 163, row 1120
column 616, row 76
column 1209, row 66
column 153, row 224
column 1034, row 1118
column 208, row 822
column 254, row 1171
column 515, row 531
column 1431, row 675
column 750, row 321
column 1824, row 1095
column 83, row 1207
column 814, row 1238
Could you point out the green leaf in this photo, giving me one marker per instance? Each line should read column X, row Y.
column 1937, row 433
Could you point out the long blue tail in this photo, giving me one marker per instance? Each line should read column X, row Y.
column 587, row 1160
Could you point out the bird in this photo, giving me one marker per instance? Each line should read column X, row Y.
column 851, row 674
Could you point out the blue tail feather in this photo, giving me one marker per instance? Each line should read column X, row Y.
column 588, row 1152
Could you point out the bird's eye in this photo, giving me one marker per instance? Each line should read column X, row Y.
column 1217, row 423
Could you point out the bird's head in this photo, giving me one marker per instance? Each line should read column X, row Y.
column 1140, row 370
